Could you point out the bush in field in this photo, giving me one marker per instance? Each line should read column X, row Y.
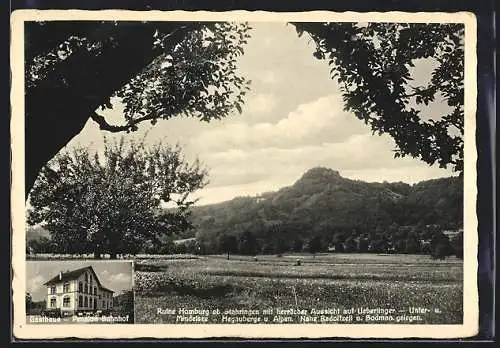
column 191, row 247
column 441, row 246
column 440, row 252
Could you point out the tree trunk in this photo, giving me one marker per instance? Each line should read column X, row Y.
column 37, row 151
column 228, row 255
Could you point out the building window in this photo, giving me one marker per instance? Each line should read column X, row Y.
column 100, row 296
column 111, row 304
column 103, row 304
column 86, row 289
column 66, row 287
column 80, row 286
column 52, row 290
column 66, row 301
column 86, row 303
column 86, row 277
column 80, row 301
column 95, row 290
column 53, row 302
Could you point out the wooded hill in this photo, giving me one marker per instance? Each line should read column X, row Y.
column 323, row 204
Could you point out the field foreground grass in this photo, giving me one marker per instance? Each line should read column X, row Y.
column 329, row 288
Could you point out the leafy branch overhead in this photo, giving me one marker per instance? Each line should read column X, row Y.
column 372, row 64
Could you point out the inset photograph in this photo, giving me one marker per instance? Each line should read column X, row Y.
column 79, row 292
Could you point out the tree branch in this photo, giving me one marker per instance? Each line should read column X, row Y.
column 104, row 125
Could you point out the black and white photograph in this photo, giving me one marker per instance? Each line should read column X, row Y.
column 65, row 292
column 286, row 172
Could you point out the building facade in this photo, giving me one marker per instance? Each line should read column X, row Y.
column 78, row 291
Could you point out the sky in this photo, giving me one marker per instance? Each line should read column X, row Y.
column 292, row 120
column 116, row 276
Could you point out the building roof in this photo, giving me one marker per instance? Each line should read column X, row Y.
column 72, row 275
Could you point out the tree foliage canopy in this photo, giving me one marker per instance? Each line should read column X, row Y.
column 372, row 63
column 113, row 204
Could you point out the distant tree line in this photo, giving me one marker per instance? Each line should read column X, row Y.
column 428, row 240
column 419, row 239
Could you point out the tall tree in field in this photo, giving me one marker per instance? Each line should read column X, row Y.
column 315, row 245
column 228, row 243
column 372, row 63
column 247, row 243
column 159, row 70
column 113, row 204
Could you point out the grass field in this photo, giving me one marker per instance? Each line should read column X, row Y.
column 342, row 282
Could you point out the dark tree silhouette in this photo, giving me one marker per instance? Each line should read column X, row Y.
column 228, row 244
column 159, row 70
column 315, row 245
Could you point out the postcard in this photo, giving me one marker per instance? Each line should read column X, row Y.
column 243, row 174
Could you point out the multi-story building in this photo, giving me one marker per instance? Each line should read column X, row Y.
column 78, row 291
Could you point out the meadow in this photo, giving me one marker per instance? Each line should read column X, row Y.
column 344, row 282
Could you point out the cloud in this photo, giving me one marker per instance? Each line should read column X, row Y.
column 120, row 278
column 363, row 156
column 319, row 121
column 292, row 120
column 35, row 283
column 118, row 282
column 268, row 76
column 262, row 103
